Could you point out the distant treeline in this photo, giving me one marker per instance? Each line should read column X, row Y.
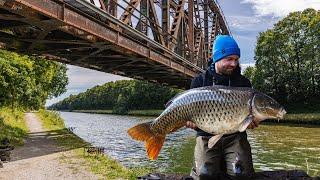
column 120, row 96
column 26, row 82
column 288, row 61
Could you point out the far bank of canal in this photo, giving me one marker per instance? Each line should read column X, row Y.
column 274, row 146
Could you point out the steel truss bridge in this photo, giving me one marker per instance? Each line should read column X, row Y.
column 162, row 41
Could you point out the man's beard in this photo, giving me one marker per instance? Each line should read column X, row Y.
column 227, row 71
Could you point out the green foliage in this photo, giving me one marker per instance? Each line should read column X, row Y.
column 51, row 120
column 12, row 126
column 27, row 81
column 288, row 59
column 121, row 105
column 120, row 96
column 249, row 73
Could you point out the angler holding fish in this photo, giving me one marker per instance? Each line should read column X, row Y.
column 220, row 106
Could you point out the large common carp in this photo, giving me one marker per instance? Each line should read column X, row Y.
column 218, row 110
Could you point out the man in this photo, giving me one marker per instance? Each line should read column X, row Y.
column 231, row 156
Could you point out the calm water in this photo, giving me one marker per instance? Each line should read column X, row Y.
column 274, row 147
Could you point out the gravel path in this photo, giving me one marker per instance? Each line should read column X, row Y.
column 41, row 159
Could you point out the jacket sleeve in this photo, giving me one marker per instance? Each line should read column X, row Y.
column 196, row 82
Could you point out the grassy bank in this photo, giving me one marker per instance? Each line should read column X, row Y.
column 12, row 126
column 100, row 165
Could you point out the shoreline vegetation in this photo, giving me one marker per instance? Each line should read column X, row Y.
column 13, row 126
column 103, row 166
column 312, row 118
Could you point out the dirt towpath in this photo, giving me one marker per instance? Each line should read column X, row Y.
column 41, row 158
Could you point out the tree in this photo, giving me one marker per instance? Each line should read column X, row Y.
column 15, row 83
column 287, row 58
column 28, row 81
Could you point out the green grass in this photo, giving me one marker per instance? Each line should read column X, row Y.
column 51, row 120
column 103, row 166
column 111, row 169
column 12, row 125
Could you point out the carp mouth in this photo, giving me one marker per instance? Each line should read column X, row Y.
column 281, row 113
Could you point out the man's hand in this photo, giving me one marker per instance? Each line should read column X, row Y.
column 191, row 125
column 255, row 123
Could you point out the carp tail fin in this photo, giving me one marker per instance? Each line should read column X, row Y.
column 153, row 142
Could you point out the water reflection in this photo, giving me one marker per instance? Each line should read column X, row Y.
column 274, row 147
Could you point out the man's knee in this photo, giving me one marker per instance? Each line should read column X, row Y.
column 240, row 169
column 209, row 172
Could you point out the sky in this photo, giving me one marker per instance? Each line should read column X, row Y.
column 245, row 18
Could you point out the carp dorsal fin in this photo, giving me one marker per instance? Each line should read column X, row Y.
column 245, row 123
column 213, row 140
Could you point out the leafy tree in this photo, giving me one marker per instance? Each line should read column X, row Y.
column 287, row 59
column 28, row 81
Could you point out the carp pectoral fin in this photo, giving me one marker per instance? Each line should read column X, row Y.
column 245, row 123
column 212, row 141
column 153, row 142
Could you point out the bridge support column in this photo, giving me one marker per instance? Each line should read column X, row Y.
column 144, row 9
column 112, row 7
column 190, row 28
column 165, row 21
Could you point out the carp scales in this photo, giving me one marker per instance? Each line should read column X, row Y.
column 217, row 110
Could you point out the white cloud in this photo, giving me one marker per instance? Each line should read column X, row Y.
column 242, row 21
column 249, row 23
column 81, row 79
column 281, row 8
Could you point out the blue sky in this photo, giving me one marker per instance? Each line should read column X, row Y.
column 245, row 18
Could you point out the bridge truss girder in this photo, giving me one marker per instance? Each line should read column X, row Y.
column 170, row 38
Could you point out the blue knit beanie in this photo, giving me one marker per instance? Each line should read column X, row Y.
column 224, row 45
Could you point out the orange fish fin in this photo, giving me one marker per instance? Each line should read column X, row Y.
column 154, row 145
column 153, row 142
column 141, row 132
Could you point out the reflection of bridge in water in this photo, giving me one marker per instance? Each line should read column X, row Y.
column 143, row 39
